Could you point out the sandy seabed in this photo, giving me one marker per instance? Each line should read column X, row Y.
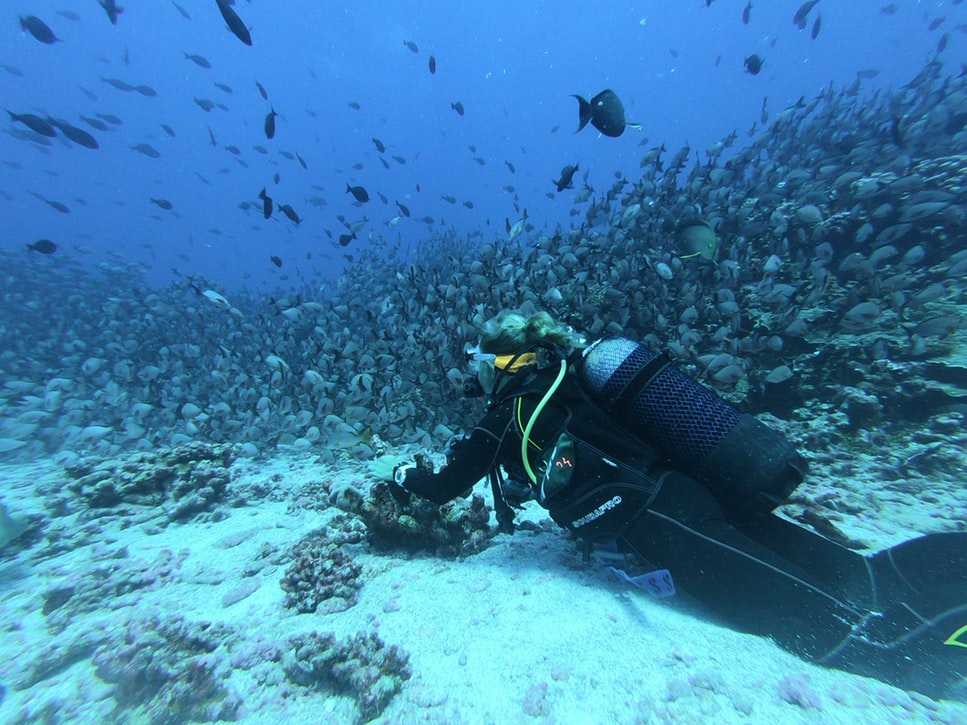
column 523, row 632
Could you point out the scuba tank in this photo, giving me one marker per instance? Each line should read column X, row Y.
column 750, row 467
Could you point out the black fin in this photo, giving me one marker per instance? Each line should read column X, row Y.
column 584, row 112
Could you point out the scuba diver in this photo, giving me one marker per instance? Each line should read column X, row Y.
column 641, row 462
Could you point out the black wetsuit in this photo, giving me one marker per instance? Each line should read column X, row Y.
column 753, row 570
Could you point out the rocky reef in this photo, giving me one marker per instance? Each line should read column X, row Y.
column 183, row 481
column 362, row 666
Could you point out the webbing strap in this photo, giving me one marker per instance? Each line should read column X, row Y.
column 626, row 399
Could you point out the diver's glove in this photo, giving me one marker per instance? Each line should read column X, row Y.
column 421, row 463
column 396, row 487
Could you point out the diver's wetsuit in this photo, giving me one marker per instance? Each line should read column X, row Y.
column 756, row 572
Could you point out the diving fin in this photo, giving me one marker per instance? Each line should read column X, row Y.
column 904, row 648
column 928, row 573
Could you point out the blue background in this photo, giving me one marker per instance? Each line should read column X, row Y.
column 513, row 66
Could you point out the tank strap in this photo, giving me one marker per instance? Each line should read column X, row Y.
column 622, row 403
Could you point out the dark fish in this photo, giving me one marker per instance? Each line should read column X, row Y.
column 302, row 162
column 411, row 45
column 234, row 150
column 718, row 60
column 753, row 64
column 354, row 105
column 449, row 199
column 34, row 123
column 266, row 204
column 867, row 73
column 554, row 129
column 458, row 107
column 480, row 161
column 747, row 12
column 816, row 27
column 167, row 129
column 163, row 203
column 224, row 87
column 358, row 166
column 147, row 150
column 764, row 113
column 77, row 135
column 468, row 204
column 262, row 90
column 382, row 197
column 936, row 23
column 112, row 9
column 345, row 239
column 211, row 136
column 277, row 261
column 184, row 13
column 146, row 91
column 44, row 246
column 379, row 145
column 400, row 160
column 276, row 178
column 511, row 167
column 58, row 206
column 270, row 124
column 404, row 210
column 359, row 193
column 199, row 60
column 888, row 9
column 95, row 123
column 432, row 65
column 605, row 112
column 383, row 162
column 799, row 19
column 204, row 104
column 427, row 220
column 673, row 53
column 567, row 174
column 39, row 29
column 942, row 43
column 119, row 84
column 288, row 155
column 90, row 96
column 69, row 14
column 15, row 71
column 291, row 213
column 234, row 22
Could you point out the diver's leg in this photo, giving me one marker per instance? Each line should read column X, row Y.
column 838, row 570
column 741, row 581
column 918, row 640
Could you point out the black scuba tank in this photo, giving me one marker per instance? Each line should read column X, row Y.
column 750, row 467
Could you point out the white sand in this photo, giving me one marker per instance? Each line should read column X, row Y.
column 521, row 633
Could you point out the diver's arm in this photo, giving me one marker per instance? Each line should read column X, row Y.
column 468, row 460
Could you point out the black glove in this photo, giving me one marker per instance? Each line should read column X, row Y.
column 396, row 488
column 400, row 494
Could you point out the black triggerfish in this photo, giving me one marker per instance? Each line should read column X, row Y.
column 604, row 111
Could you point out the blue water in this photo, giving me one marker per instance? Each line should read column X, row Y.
column 512, row 65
